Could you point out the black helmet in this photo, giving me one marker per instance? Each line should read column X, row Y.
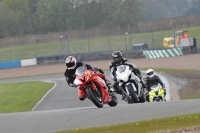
column 117, row 56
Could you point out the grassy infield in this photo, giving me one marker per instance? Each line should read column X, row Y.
column 20, row 97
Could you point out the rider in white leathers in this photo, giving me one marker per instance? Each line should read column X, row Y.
column 119, row 60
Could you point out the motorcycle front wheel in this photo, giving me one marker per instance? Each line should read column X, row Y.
column 95, row 96
column 132, row 94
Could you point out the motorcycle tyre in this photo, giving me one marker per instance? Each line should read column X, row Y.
column 132, row 94
column 114, row 101
column 142, row 99
column 157, row 100
column 92, row 97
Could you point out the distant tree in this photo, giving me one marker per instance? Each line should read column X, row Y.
column 12, row 16
column 121, row 11
column 194, row 9
column 42, row 16
column 156, row 9
column 53, row 15
column 33, row 5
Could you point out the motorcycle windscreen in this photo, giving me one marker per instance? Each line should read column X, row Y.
column 155, row 87
column 121, row 68
column 80, row 71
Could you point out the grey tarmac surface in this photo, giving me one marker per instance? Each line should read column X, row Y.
column 66, row 119
column 61, row 96
column 61, row 110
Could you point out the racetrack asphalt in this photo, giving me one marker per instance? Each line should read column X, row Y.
column 62, row 96
column 77, row 114
column 60, row 109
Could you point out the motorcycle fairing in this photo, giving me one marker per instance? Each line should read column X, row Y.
column 156, row 93
column 91, row 79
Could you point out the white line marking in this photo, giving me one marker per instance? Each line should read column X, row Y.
column 55, row 84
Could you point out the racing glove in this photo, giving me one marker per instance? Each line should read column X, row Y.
column 72, row 85
column 101, row 71
column 164, row 91
column 95, row 69
column 98, row 69
column 115, row 79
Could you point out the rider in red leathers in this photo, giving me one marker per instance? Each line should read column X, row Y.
column 72, row 65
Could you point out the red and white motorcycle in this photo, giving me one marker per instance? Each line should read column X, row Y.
column 94, row 87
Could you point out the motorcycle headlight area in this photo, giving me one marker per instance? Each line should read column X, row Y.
column 77, row 82
column 124, row 77
column 151, row 93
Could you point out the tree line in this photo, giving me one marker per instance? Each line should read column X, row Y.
column 22, row 17
column 158, row 9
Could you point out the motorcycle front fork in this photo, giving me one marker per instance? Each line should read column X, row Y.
column 124, row 94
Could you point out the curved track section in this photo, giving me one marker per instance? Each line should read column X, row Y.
column 66, row 119
column 58, row 110
column 62, row 96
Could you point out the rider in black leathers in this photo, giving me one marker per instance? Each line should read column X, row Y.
column 119, row 60
column 72, row 65
column 152, row 80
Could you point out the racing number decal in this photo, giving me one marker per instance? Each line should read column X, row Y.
column 88, row 75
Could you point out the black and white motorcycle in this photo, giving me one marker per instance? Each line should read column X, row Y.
column 130, row 85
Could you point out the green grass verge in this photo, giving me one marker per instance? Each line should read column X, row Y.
column 22, row 96
column 109, row 43
column 149, row 126
column 194, row 96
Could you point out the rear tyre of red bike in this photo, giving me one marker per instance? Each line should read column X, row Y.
column 95, row 96
column 114, row 101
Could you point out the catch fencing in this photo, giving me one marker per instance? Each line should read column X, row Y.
column 96, row 40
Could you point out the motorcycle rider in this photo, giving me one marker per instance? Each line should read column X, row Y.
column 152, row 80
column 72, row 65
column 119, row 60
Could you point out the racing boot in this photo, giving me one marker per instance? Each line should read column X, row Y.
column 110, row 87
column 164, row 93
column 123, row 97
column 147, row 97
column 81, row 96
column 141, row 81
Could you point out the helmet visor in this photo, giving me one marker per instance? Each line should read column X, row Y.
column 70, row 64
column 150, row 73
column 116, row 58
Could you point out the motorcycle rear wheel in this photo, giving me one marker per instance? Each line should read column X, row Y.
column 95, row 96
column 142, row 99
column 114, row 101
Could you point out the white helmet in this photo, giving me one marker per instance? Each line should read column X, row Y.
column 150, row 73
column 70, row 62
